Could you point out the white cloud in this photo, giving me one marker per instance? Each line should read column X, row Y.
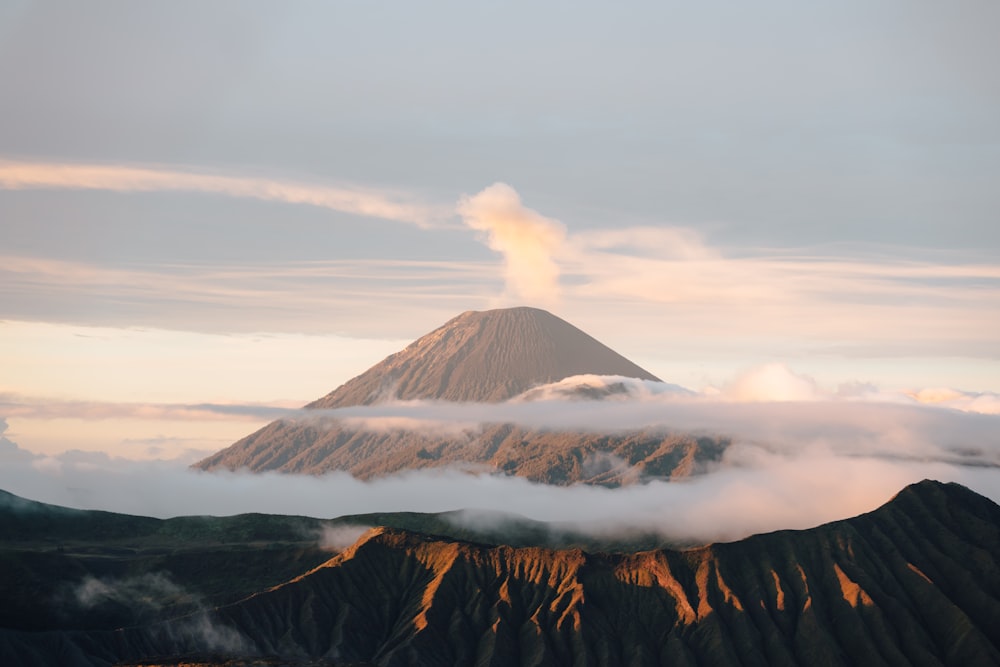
column 754, row 490
column 14, row 405
column 770, row 405
column 372, row 298
column 767, row 411
column 772, row 382
column 792, row 464
column 983, row 402
column 664, row 286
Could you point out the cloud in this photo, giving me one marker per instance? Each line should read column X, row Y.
column 772, row 382
column 983, row 402
column 150, row 591
column 25, row 407
column 609, row 387
column 880, row 301
column 148, row 594
column 771, row 406
column 227, row 297
column 754, row 490
column 663, row 243
column 528, row 241
column 16, row 175
column 663, row 287
column 792, row 464
column 9, row 451
column 340, row 536
column 674, row 265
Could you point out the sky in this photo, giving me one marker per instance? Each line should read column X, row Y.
column 248, row 203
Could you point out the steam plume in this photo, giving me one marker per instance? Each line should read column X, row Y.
column 527, row 239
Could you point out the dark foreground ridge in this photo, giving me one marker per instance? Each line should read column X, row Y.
column 914, row 582
column 476, row 357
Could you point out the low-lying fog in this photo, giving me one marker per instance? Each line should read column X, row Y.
column 796, row 462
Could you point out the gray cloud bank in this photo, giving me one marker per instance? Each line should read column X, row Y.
column 627, row 403
column 753, row 490
column 862, row 421
column 792, row 464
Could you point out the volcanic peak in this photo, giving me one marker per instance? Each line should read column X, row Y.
column 484, row 356
column 488, row 356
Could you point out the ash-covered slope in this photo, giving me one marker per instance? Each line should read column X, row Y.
column 481, row 357
column 915, row 582
column 476, row 357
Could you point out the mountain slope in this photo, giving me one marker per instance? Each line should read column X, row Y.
column 69, row 569
column 550, row 457
column 476, row 357
column 916, row 581
column 484, row 356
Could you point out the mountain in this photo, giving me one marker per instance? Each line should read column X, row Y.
column 916, row 581
column 486, row 356
column 90, row 570
column 48, row 550
column 482, row 357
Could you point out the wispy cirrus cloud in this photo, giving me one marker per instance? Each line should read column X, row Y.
column 875, row 301
column 388, row 205
column 676, row 265
column 369, row 296
column 917, row 307
column 34, row 407
column 868, row 303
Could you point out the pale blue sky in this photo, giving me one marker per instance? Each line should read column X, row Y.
column 735, row 184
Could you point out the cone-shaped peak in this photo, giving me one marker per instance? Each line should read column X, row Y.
column 487, row 355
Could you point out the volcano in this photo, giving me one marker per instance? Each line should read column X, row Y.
column 484, row 356
column 477, row 357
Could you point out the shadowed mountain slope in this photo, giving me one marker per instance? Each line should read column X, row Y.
column 476, row 357
column 70, row 569
column 916, row 581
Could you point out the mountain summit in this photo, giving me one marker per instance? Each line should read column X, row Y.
column 477, row 357
column 484, row 356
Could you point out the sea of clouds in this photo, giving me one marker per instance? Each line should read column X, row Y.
column 800, row 456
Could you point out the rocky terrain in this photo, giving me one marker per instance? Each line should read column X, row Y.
column 550, row 457
column 68, row 569
column 916, row 581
